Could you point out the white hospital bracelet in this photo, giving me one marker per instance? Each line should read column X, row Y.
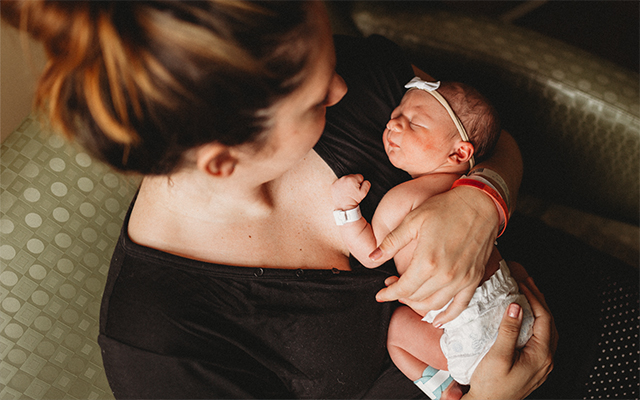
column 497, row 181
column 344, row 217
column 482, row 179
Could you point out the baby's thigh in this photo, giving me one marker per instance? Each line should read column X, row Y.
column 418, row 338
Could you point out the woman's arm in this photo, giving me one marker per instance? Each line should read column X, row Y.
column 455, row 233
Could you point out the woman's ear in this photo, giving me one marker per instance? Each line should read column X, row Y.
column 463, row 152
column 216, row 159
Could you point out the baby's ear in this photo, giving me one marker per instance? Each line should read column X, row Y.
column 463, row 152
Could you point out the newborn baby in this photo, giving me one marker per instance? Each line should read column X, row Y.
column 435, row 134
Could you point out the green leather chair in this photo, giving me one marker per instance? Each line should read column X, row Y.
column 576, row 117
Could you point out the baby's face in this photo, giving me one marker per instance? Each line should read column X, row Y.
column 420, row 134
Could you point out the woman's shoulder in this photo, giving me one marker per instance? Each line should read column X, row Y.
column 373, row 57
column 374, row 44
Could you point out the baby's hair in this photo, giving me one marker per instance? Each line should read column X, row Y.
column 139, row 83
column 476, row 113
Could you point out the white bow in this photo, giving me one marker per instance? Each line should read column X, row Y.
column 424, row 85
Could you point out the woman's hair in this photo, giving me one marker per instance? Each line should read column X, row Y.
column 138, row 83
column 477, row 115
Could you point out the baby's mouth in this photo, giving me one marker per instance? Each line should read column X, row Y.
column 392, row 144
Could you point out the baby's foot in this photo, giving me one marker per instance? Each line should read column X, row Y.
column 453, row 392
column 439, row 385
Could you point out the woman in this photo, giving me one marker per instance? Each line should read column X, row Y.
column 230, row 278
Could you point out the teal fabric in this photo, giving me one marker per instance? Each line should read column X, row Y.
column 429, row 373
column 60, row 214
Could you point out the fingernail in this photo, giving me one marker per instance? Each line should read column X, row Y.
column 376, row 254
column 514, row 310
column 437, row 325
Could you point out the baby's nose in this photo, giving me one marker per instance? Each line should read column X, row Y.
column 394, row 125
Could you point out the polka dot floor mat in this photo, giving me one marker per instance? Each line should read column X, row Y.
column 61, row 213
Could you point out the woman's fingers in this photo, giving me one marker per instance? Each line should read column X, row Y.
column 392, row 243
column 390, row 280
column 497, row 377
column 402, row 288
column 505, row 345
column 533, row 288
column 545, row 333
column 458, row 305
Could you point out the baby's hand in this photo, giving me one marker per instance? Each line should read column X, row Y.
column 349, row 191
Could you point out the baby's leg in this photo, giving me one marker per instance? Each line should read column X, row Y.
column 414, row 345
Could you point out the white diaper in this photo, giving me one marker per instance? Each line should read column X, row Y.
column 469, row 337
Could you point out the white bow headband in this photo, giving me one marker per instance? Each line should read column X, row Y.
column 430, row 87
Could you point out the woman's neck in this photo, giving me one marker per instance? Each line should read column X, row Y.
column 193, row 194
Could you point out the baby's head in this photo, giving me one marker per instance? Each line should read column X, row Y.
column 422, row 136
column 477, row 115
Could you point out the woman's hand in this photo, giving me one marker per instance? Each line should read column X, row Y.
column 455, row 233
column 508, row 373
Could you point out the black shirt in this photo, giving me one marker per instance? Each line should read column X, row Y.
column 172, row 327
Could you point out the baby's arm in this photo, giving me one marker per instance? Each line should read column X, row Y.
column 347, row 193
column 361, row 237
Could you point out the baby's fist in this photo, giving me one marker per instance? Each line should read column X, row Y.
column 349, row 191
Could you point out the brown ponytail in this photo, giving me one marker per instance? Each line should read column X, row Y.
column 139, row 83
